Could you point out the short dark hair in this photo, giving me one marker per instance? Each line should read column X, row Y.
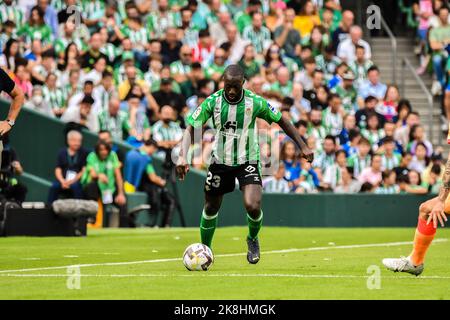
column 101, row 143
column 301, row 123
column 353, row 133
column 436, row 169
column 369, row 99
column 373, row 68
column 88, row 100
column 339, row 152
column 203, row 33
column 330, row 137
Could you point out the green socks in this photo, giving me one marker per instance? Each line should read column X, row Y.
column 208, row 225
column 254, row 226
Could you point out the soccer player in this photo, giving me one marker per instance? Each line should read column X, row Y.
column 235, row 153
column 431, row 213
column 7, row 85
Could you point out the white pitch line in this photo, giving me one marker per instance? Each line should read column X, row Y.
column 215, row 275
column 354, row 246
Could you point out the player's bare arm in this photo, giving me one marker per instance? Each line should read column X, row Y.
column 182, row 167
column 437, row 214
column 290, row 130
column 16, row 104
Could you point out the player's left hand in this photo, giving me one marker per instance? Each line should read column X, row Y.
column 4, row 128
column 307, row 154
column 437, row 214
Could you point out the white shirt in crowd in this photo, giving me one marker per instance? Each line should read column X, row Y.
column 346, row 50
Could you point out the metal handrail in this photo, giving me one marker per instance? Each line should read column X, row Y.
column 393, row 46
column 407, row 64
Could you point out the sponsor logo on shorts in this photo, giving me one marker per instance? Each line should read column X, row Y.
column 250, row 169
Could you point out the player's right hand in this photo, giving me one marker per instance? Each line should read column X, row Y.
column 437, row 215
column 182, row 168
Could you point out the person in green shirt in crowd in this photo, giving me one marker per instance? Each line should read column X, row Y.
column 283, row 85
column 36, row 29
column 114, row 120
column 346, row 90
column 243, row 19
column 102, row 179
column 216, row 69
column 248, row 62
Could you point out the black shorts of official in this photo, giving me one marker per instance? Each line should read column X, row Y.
column 221, row 179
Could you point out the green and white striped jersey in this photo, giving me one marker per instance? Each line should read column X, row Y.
column 358, row 164
column 12, row 13
column 260, row 39
column 170, row 132
column 54, row 97
column 389, row 163
column 388, row 189
column 236, row 140
column 273, row 185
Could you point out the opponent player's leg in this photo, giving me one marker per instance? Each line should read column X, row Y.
column 422, row 240
column 208, row 221
column 252, row 194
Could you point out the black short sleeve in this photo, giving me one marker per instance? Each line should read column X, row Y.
column 6, row 83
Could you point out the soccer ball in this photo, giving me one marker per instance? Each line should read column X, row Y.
column 198, row 257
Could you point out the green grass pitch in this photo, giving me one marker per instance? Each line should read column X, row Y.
column 296, row 263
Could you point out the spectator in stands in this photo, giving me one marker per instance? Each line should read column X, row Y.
column 373, row 132
column 348, row 183
column 389, row 185
column 419, row 160
column 139, row 126
column 372, row 174
column 402, row 134
column 83, row 117
column 277, row 183
column 307, row 19
column 257, row 33
column 342, row 31
column 360, row 66
column 372, row 86
column 402, row 170
column 389, row 158
column 70, row 166
column 309, row 180
column 389, row 105
column 291, row 164
column 361, row 115
column 417, row 136
column 413, row 184
column 167, row 132
column 361, row 159
column 166, row 96
column 332, row 176
column 326, row 157
column 332, row 118
column 440, row 44
column 140, row 175
column 347, row 48
column 102, row 180
column 114, row 120
column 38, row 103
column 287, row 37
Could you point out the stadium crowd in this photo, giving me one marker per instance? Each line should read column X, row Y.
column 134, row 70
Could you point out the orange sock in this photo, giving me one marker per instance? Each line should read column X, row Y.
column 422, row 240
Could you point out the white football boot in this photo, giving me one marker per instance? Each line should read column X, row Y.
column 403, row 264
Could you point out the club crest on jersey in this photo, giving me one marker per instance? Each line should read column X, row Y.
column 196, row 113
column 248, row 111
column 272, row 108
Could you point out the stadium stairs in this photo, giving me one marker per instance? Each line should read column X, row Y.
column 381, row 56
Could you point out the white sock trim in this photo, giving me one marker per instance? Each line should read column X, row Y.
column 257, row 220
column 206, row 217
